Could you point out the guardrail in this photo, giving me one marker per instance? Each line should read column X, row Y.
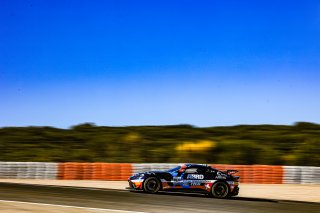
column 265, row 174
column 28, row 170
column 94, row 171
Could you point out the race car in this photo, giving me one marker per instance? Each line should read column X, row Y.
column 188, row 178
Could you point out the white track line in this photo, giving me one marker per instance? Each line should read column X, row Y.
column 126, row 189
column 66, row 206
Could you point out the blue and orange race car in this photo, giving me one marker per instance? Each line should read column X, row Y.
column 188, row 178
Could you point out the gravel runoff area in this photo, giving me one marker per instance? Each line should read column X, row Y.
column 293, row 192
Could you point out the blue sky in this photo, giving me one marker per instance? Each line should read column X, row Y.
column 120, row 63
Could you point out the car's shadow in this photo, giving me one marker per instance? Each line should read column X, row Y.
column 192, row 194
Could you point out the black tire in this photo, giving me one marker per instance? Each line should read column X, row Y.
column 220, row 190
column 151, row 185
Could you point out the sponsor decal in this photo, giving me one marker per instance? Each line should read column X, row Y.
column 221, row 176
column 209, row 181
column 195, row 176
column 195, row 183
column 207, row 186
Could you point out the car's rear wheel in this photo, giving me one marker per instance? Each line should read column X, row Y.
column 151, row 185
column 220, row 190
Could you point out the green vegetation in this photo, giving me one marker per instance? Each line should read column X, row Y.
column 298, row 144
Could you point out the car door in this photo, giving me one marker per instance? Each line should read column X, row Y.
column 194, row 178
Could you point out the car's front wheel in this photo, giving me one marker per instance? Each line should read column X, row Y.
column 151, row 185
column 220, row 190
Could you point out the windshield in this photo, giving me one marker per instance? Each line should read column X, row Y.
column 174, row 169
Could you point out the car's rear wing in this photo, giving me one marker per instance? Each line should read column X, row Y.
column 231, row 171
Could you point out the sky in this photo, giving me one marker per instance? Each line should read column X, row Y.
column 123, row 63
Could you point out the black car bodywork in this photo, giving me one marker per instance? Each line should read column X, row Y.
column 188, row 177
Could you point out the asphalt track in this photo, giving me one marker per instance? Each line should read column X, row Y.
column 138, row 201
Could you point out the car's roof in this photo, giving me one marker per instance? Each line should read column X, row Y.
column 204, row 166
column 196, row 165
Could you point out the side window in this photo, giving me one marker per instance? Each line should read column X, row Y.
column 211, row 174
column 201, row 171
column 213, row 171
column 191, row 171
